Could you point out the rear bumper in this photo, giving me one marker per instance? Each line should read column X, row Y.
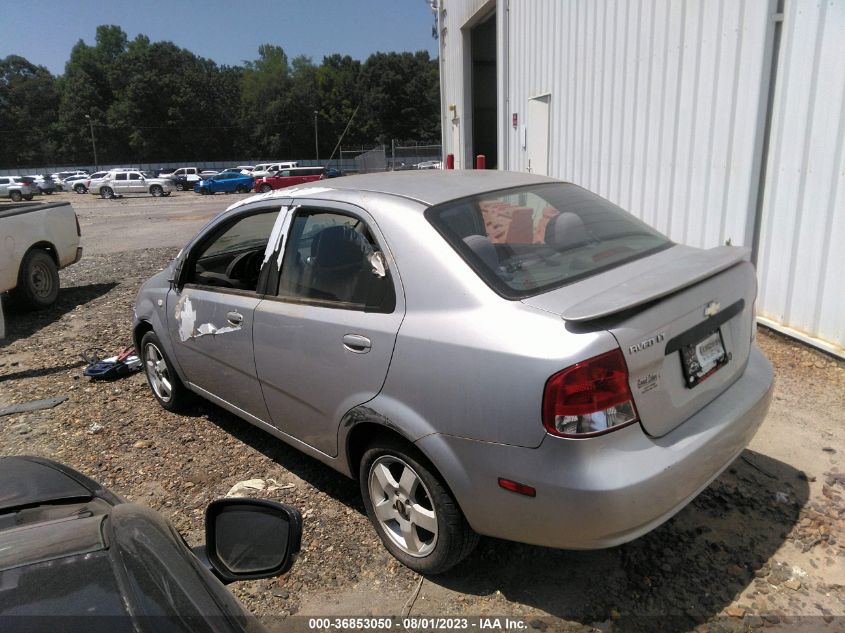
column 605, row 490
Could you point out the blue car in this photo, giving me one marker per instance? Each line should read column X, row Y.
column 226, row 182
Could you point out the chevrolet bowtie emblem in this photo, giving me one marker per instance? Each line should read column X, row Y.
column 712, row 309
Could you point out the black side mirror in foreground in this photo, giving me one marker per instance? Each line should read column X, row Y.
column 250, row 538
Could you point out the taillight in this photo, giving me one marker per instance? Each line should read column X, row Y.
column 589, row 398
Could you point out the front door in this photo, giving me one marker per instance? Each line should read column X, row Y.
column 323, row 344
column 210, row 317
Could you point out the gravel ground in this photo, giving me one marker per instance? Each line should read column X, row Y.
column 764, row 545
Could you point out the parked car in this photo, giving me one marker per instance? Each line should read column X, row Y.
column 44, row 183
column 208, row 172
column 36, row 241
column 227, row 182
column 119, row 183
column 269, row 169
column 430, row 164
column 332, row 172
column 17, row 188
column 183, row 178
column 76, row 556
column 64, row 175
column 76, row 183
column 485, row 352
column 288, row 178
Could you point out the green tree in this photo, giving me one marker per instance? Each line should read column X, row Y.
column 29, row 101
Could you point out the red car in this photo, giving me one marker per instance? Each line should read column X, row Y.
column 289, row 178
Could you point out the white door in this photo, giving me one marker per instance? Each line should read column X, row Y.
column 537, row 143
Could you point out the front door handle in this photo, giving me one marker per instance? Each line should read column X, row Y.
column 357, row 343
column 235, row 318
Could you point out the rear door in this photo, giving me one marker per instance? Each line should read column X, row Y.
column 323, row 343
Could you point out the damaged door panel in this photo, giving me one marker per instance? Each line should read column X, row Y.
column 211, row 307
column 214, row 348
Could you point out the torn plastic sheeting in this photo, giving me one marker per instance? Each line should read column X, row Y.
column 275, row 236
column 208, row 328
column 260, row 485
column 186, row 316
column 283, row 241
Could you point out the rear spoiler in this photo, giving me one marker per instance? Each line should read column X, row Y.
column 657, row 283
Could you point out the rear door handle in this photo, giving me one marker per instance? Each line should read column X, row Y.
column 235, row 318
column 357, row 343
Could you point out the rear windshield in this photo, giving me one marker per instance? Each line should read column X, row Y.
column 529, row 240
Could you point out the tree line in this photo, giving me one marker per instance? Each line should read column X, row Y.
column 157, row 102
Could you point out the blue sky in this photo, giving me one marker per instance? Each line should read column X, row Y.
column 226, row 31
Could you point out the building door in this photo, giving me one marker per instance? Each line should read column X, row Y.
column 537, row 143
column 484, row 116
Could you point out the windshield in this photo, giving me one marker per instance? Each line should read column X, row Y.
column 529, row 240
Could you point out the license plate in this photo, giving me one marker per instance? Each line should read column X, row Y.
column 701, row 359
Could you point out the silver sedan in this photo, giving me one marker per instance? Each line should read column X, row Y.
column 485, row 352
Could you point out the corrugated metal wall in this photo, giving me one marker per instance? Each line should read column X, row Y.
column 659, row 106
column 802, row 245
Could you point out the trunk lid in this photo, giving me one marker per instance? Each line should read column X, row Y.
column 672, row 314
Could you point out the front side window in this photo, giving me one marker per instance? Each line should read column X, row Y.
column 528, row 240
column 134, row 176
column 233, row 255
column 332, row 259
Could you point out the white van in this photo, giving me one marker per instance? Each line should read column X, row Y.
column 269, row 169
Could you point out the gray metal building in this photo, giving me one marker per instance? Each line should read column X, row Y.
column 713, row 120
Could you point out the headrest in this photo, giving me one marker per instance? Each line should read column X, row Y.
column 565, row 230
column 338, row 246
column 484, row 248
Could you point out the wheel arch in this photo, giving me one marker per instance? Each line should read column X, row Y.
column 363, row 426
column 43, row 245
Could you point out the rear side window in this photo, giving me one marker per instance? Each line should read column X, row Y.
column 529, row 240
column 331, row 259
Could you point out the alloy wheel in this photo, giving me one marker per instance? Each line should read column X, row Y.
column 402, row 505
column 158, row 373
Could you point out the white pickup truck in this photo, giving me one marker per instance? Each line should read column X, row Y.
column 36, row 241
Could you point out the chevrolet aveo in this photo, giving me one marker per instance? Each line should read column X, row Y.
column 485, row 352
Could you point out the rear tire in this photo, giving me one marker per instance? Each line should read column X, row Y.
column 171, row 394
column 16, row 196
column 412, row 510
column 204, row 191
column 38, row 280
column 106, row 193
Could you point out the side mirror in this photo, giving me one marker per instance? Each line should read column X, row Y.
column 251, row 538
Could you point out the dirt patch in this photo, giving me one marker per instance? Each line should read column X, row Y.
column 764, row 545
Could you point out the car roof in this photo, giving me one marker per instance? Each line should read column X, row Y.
column 429, row 187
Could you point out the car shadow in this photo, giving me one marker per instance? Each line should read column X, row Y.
column 21, row 324
column 325, row 479
column 674, row 578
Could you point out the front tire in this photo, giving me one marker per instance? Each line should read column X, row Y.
column 171, row 394
column 107, row 193
column 242, row 189
column 16, row 196
column 156, row 191
column 80, row 189
column 414, row 514
column 28, row 197
column 180, row 186
column 38, row 280
column 266, row 188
